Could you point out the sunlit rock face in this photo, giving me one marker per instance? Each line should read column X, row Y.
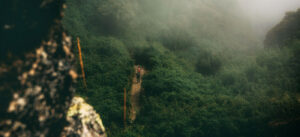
column 36, row 70
column 84, row 121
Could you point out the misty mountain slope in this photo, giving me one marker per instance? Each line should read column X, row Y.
column 208, row 75
column 285, row 32
column 286, row 36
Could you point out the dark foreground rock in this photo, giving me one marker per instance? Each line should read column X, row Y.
column 35, row 69
column 36, row 90
column 36, row 73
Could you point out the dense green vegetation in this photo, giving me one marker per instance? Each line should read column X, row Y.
column 207, row 74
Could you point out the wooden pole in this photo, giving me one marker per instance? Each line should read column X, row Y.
column 124, row 107
column 81, row 62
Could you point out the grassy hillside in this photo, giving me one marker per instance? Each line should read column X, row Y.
column 207, row 75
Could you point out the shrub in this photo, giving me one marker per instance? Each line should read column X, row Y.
column 208, row 64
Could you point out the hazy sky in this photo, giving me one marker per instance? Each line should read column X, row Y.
column 263, row 14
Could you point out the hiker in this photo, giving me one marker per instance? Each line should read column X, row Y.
column 138, row 74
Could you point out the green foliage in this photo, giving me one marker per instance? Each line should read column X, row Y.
column 208, row 64
column 108, row 68
column 206, row 75
column 177, row 40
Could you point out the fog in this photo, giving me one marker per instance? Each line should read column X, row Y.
column 264, row 14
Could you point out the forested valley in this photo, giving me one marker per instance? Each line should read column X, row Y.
column 208, row 73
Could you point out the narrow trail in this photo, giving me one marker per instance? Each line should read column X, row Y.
column 135, row 93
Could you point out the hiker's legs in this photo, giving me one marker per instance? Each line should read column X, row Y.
column 138, row 78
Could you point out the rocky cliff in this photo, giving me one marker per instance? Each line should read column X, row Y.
column 36, row 69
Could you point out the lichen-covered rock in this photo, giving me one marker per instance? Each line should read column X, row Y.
column 84, row 121
column 36, row 71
